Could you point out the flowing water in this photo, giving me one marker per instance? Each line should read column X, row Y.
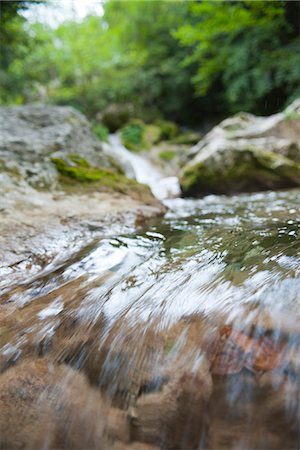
column 210, row 293
column 140, row 168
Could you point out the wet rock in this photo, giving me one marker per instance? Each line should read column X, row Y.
column 246, row 154
column 69, row 413
column 176, row 417
column 73, row 414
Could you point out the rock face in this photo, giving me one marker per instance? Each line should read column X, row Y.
column 58, row 185
column 245, row 153
column 33, row 134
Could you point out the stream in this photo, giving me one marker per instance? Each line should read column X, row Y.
column 212, row 291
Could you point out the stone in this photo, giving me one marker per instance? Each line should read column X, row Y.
column 245, row 153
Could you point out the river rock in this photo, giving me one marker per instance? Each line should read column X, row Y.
column 58, row 186
column 245, row 153
column 33, row 134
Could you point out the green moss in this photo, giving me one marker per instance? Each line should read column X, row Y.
column 169, row 130
column 250, row 171
column 11, row 169
column 77, row 175
column 132, row 135
column 101, row 132
column 292, row 115
column 151, row 136
column 187, row 138
column 78, row 160
column 167, row 155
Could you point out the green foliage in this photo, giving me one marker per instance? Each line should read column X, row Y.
column 179, row 60
column 132, row 135
column 248, row 49
column 15, row 45
column 101, row 132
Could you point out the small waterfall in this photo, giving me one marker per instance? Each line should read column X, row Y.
column 139, row 168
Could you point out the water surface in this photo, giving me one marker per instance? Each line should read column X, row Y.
column 133, row 310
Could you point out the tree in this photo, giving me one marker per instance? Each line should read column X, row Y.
column 14, row 45
column 247, row 50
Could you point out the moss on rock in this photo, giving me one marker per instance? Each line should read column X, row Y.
column 187, row 138
column 248, row 171
column 77, row 175
column 167, row 155
column 169, row 130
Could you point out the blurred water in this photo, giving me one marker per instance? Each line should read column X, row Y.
column 136, row 308
column 141, row 169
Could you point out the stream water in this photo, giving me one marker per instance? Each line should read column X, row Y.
column 211, row 290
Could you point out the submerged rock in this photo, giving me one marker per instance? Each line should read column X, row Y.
column 246, row 153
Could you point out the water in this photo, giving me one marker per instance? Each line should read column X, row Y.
column 191, row 324
column 141, row 169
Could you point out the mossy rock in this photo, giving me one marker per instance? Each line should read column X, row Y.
column 244, row 171
column 115, row 116
column 167, row 155
column 169, row 130
column 77, row 175
column 152, row 135
column 187, row 138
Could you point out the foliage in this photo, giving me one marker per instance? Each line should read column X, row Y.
column 101, row 132
column 249, row 50
column 132, row 135
column 15, row 45
column 182, row 61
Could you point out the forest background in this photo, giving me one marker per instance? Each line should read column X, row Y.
column 185, row 61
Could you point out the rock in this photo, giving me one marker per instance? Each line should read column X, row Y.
column 175, row 417
column 69, row 412
column 246, row 154
column 72, row 414
column 58, row 186
column 169, row 130
column 188, row 137
column 32, row 134
column 115, row 116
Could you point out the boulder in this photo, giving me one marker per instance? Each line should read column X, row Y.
column 58, row 186
column 31, row 135
column 245, row 153
column 115, row 116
